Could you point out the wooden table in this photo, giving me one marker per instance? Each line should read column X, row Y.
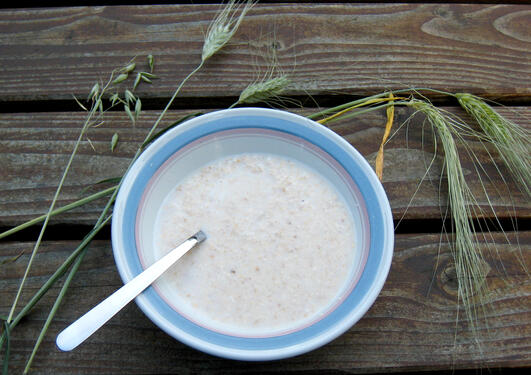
column 332, row 52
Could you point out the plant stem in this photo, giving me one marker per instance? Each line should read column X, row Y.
column 366, row 110
column 7, row 331
column 48, row 215
column 56, row 275
column 107, row 207
column 58, row 211
column 174, row 124
column 347, row 105
column 96, row 106
column 365, row 103
column 55, row 306
column 170, row 102
column 386, row 93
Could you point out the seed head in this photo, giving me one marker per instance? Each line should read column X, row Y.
column 223, row 27
column 264, row 90
column 468, row 258
column 512, row 141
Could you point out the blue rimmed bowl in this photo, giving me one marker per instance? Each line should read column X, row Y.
column 204, row 139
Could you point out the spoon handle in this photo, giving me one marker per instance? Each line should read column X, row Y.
column 89, row 323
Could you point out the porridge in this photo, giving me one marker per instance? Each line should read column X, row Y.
column 279, row 248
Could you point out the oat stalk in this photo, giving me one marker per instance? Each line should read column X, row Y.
column 96, row 95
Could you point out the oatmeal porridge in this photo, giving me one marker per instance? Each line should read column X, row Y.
column 279, row 248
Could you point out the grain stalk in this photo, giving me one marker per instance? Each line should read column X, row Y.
column 219, row 33
column 96, row 96
column 512, row 142
column 468, row 258
column 60, row 210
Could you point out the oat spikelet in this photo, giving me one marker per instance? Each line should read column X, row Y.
column 512, row 142
column 223, row 27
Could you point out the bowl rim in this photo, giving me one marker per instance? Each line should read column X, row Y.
column 333, row 331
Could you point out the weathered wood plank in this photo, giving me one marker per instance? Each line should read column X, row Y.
column 347, row 48
column 411, row 326
column 34, row 149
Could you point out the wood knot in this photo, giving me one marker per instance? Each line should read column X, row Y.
column 275, row 46
column 445, row 277
column 448, row 279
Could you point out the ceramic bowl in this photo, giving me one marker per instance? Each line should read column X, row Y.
column 200, row 141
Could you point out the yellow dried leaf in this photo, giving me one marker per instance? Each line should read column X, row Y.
column 389, row 124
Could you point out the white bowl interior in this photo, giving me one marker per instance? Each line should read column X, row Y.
column 226, row 144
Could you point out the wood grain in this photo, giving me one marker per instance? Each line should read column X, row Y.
column 50, row 54
column 332, row 52
column 35, row 147
column 411, row 326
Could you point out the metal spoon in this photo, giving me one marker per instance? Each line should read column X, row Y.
column 89, row 323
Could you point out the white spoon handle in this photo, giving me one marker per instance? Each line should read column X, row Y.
column 89, row 323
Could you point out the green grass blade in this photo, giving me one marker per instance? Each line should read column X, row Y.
column 56, row 275
column 5, row 366
column 111, row 180
column 53, row 311
column 58, row 211
column 51, row 281
column 11, row 260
